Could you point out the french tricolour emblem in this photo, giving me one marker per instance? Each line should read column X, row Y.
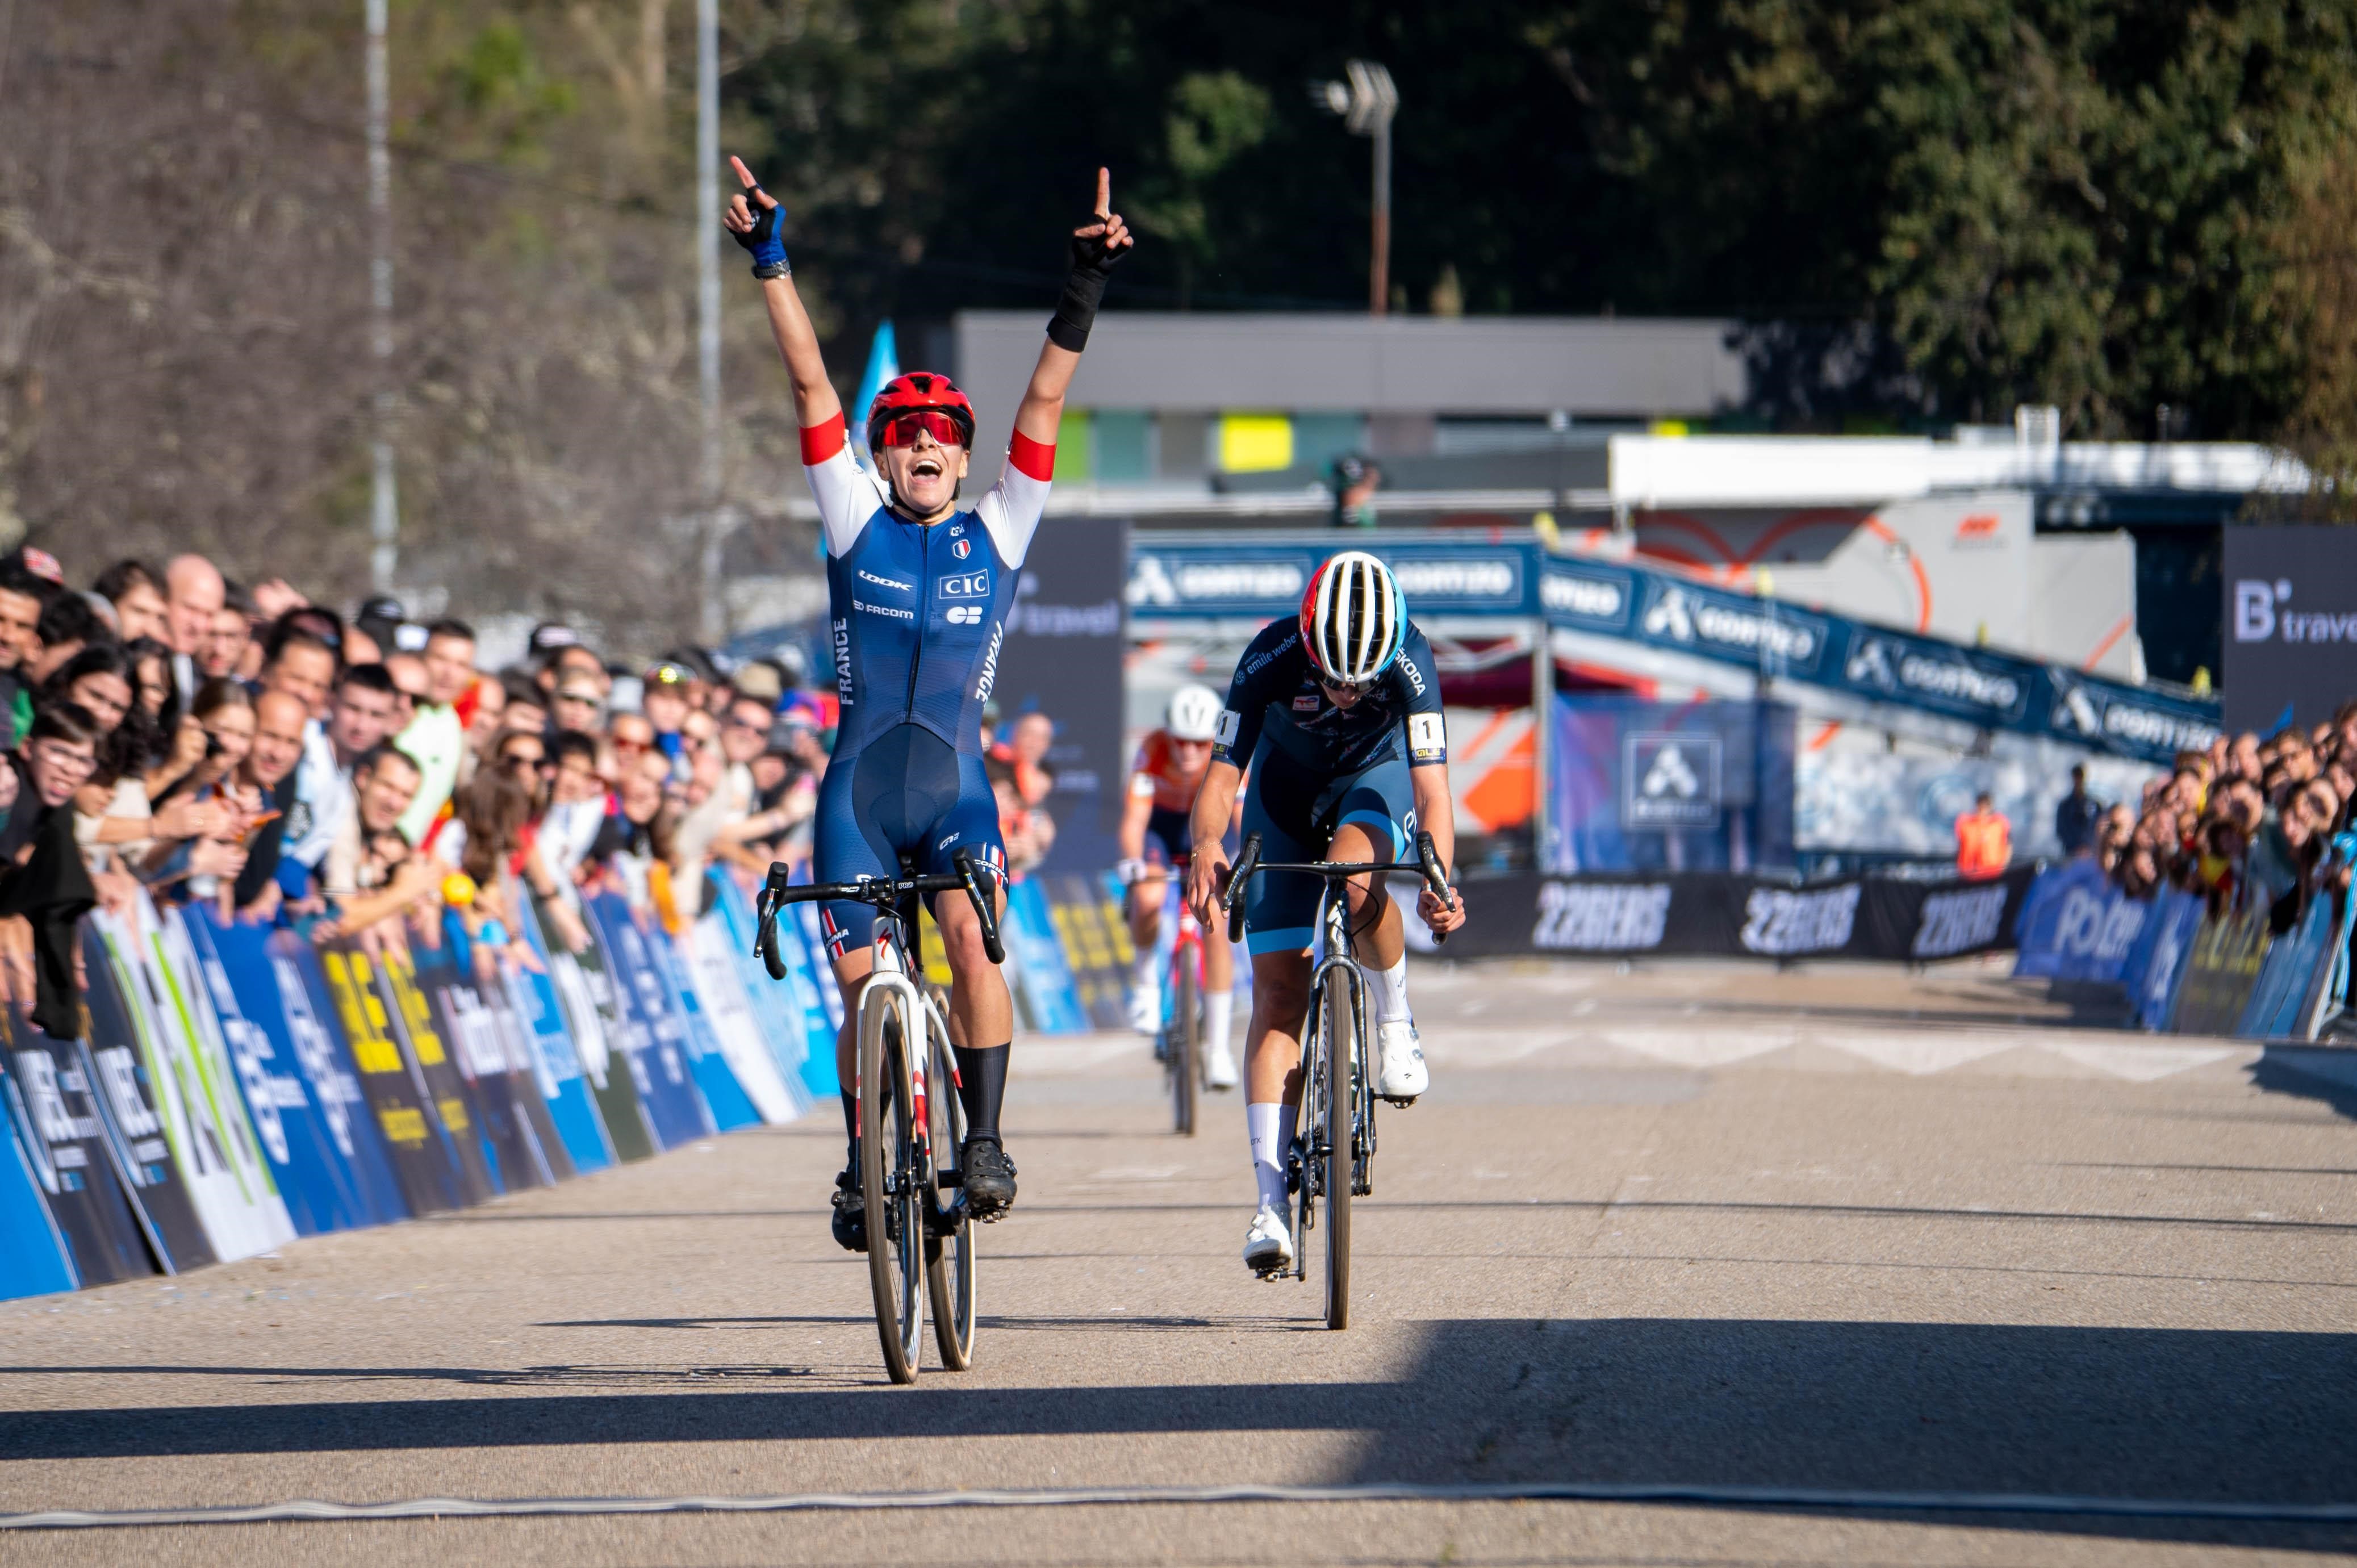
column 962, row 548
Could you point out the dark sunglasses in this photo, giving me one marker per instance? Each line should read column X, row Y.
column 901, row 430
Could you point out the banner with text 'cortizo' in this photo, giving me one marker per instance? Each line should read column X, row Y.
column 2291, row 624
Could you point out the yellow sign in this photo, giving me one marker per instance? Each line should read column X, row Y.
column 1256, row 443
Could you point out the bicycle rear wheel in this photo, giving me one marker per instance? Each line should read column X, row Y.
column 1338, row 1028
column 950, row 1260
column 892, row 1172
column 1185, row 1035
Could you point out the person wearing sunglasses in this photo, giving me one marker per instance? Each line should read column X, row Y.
column 919, row 591
column 1336, row 712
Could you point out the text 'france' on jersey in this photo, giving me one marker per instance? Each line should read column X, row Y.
column 917, row 612
column 1276, row 696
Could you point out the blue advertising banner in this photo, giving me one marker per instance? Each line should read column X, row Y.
column 2157, row 965
column 341, row 981
column 61, row 1133
column 2075, row 925
column 509, row 1114
column 1227, row 576
column 532, row 994
column 1645, row 786
column 2296, row 966
column 32, row 1251
column 587, row 997
column 314, row 1169
column 793, row 1016
column 136, row 1107
column 1044, row 979
column 657, row 1055
column 652, row 961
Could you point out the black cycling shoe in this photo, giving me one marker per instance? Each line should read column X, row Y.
column 988, row 1176
column 850, row 1214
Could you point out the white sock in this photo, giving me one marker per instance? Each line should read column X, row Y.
column 1272, row 1136
column 1142, row 973
column 1216, row 1007
column 1391, row 991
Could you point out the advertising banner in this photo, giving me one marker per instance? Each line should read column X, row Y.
column 2158, row 963
column 636, row 950
column 307, row 1138
column 212, row 1141
column 1096, row 947
column 1644, row 786
column 1705, row 913
column 1045, row 985
column 63, row 1135
column 449, row 1099
column 716, row 989
column 423, row 1158
column 503, row 1097
column 33, row 1258
column 2291, row 624
column 792, row 1017
column 540, row 1014
column 2286, row 1000
column 2220, row 972
column 658, row 1067
column 587, row 1001
column 134, row 1101
column 2077, row 926
column 1061, row 656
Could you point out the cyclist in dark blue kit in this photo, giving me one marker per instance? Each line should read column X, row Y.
column 1336, row 713
column 917, row 596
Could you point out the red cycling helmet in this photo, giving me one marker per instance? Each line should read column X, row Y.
column 919, row 392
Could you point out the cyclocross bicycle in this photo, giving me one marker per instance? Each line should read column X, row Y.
column 1333, row 1154
column 908, row 1138
column 1179, row 1044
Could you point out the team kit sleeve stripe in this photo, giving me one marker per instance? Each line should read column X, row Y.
column 1011, row 510
column 847, row 495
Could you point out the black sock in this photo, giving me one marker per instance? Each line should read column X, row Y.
column 982, row 1087
column 851, row 1128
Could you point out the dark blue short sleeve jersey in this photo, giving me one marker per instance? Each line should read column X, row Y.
column 1275, row 698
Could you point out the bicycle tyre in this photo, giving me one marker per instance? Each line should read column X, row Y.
column 1186, row 1049
column 887, row 1144
column 951, row 1264
column 1338, row 1034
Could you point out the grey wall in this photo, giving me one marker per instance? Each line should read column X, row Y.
column 1203, row 361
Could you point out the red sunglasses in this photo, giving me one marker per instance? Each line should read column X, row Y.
column 901, row 429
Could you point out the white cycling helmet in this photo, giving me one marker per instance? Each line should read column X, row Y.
column 1193, row 713
column 1354, row 618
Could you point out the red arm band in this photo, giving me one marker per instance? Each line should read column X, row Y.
column 821, row 442
column 1032, row 460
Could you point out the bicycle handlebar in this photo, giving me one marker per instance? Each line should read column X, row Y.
column 1427, row 865
column 884, row 894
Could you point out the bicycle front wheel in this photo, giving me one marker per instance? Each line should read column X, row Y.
column 1338, row 1028
column 891, row 1175
column 1185, row 1038
column 950, row 1262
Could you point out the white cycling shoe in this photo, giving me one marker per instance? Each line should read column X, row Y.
column 1400, row 1073
column 1146, row 1009
column 1269, row 1245
column 1220, row 1067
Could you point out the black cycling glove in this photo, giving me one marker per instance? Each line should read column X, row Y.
column 1092, row 264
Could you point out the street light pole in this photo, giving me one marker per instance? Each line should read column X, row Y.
column 1367, row 103
column 710, row 611
column 384, row 504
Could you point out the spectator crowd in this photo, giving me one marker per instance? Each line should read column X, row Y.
column 170, row 730
column 2250, row 824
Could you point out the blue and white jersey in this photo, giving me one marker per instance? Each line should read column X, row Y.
column 917, row 612
column 1276, row 703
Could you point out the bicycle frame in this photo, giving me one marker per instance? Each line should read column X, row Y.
column 1313, row 1145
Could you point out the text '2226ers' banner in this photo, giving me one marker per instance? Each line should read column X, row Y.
column 1706, row 914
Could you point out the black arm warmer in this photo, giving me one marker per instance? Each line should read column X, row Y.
column 1077, row 311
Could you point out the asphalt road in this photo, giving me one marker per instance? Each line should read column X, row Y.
column 1835, row 1232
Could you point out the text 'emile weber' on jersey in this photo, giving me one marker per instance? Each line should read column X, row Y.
column 1275, row 697
column 918, row 611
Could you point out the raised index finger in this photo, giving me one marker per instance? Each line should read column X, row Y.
column 743, row 173
column 1104, row 193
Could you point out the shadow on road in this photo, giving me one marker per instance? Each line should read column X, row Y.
column 2174, row 1414
column 2310, row 1072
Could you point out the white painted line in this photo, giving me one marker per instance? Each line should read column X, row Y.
column 305, row 1509
column 2141, row 1063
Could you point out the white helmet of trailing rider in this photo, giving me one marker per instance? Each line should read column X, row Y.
column 1193, row 712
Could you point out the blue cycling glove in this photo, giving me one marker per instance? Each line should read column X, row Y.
column 766, row 242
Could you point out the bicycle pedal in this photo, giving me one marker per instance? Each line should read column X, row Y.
column 1400, row 1104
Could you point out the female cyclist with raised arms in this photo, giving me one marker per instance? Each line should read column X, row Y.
column 1337, row 714
column 918, row 596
